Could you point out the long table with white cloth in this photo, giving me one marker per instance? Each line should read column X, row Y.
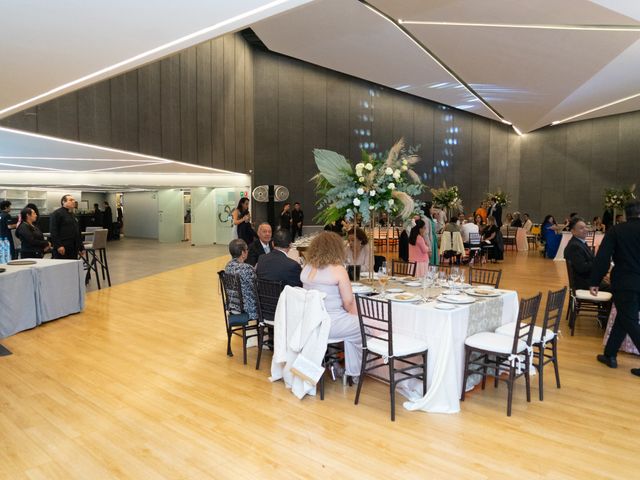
column 33, row 294
column 445, row 331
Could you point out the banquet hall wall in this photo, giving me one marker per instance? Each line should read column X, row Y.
column 226, row 104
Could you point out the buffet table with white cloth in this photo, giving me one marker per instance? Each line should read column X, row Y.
column 33, row 294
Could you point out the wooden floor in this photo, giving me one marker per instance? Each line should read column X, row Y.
column 139, row 387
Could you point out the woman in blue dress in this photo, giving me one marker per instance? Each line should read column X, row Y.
column 551, row 236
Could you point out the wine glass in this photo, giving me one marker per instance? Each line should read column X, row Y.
column 383, row 278
column 454, row 276
column 461, row 279
column 442, row 278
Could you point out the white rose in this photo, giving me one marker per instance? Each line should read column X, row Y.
column 404, row 168
column 391, row 186
column 371, row 207
column 360, row 166
column 361, row 179
column 391, row 201
column 360, row 191
column 368, row 166
column 388, row 171
column 372, row 193
column 396, row 174
column 404, row 162
column 356, row 202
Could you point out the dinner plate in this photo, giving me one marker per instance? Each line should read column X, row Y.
column 483, row 293
column 394, row 290
column 413, row 284
column 22, row 262
column 457, row 299
column 403, row 297
column 361, row 288
column 444, row 306
column 357, row 284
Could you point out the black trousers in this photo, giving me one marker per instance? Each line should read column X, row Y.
column 70, row 253
column 296, row 231
column 24, row 254
column 626, row 323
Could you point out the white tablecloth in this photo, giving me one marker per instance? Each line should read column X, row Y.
column 33, row 294
column 444, row 331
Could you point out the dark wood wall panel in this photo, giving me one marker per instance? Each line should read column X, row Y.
column 94, row 114
column 149, row 128
column 188, row 106
column 170, row 107
column 203, row 114
column 124, row 111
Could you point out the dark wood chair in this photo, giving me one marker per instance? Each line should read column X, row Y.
column 268, row 296
column 581, row 301
column 403, row 268
column 509, row 237
column 237, row 321
column 381, row 346
column 591, row 240
column 493, row 351
column 545, row 338
column 485, row 276
column 475, row 247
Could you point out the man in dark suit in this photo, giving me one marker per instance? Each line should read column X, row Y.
column 65, row 231
column 622, row 245
column 262, row 246
column 496, row 211
column 580, row 255
column 297, row 219
column 277, row 266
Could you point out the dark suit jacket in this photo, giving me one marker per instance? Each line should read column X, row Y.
column 581, row 258
column 622, row 244
column 497, row 214
column 255, row 250
column 277, row 267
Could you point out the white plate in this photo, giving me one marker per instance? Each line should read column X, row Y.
column 486, row 293
column 403, row 297
column 456, row 299
column 357, row 284
column 362, row 289
column 444, row 306
column 413, row 284
column 451, row 292
column 394, row 290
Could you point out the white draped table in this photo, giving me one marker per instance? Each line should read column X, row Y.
column 445, row 331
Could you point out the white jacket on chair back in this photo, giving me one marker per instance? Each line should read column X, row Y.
column 301, row 329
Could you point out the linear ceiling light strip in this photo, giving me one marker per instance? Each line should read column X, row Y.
column 591, row 28
column 143, row 55
column 435, row 58
column 616, row 102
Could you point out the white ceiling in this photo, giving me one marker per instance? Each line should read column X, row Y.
column 45, row 45
column 35, row 160
column 531, row 76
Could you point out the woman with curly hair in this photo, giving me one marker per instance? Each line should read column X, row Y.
column 324, row 271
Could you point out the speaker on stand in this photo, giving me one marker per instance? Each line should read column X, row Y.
column 271, row 194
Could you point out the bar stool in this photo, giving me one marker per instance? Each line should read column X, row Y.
column 97, row 254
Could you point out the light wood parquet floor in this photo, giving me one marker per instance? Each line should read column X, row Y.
column 138, row 386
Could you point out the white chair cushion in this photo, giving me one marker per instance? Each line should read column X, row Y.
column 494, row 342
column 586, row 295
column 87, row 244
column 509, row 329
column 402, row 346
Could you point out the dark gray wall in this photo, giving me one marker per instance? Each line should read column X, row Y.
column 195, row 106
column 223, row 104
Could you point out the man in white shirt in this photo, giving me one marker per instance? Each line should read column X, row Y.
column 466, row 229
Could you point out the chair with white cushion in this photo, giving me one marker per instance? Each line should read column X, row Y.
column 493, row 351
column 380, row 344
column 545, row 338
column 581, row 301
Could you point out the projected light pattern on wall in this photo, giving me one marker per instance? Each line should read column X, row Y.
column 444, row 152
column 365, row 118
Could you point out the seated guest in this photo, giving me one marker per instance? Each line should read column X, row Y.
column 452, row 226
column 325, row 272
column 238, row 266
column 461, row 219
column 466, row 229
column 482, row 212
column 597, row 224
column 418, row 250
column 517, row 221
column 276, row 266
column 619, row 218
column 527, row 224
column 262, row 246
column 479, row 221
column 33, row 243
column 492, row 236
column 358, row 242
column 508, row 219
column 580, row 255
column 552, row 238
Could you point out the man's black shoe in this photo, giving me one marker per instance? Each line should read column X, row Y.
column 610, row 362
column 636, row 371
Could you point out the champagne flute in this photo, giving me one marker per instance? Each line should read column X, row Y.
column 383, row 278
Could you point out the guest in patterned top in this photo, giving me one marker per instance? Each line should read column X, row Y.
column 237, row 266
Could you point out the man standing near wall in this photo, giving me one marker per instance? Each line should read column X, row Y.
column 621, row 245
column 297, row 219
column 65, row 231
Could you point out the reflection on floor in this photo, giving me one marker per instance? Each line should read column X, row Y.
column 134, row 258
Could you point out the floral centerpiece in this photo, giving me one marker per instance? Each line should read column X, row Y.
column 374, row 185
column 447, row 197
column 502, row 198
column 616, row 198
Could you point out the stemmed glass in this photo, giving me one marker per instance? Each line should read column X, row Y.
column 461, row 278
column 383, row 278
column 454, row 276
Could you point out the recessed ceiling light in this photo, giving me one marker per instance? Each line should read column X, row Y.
column 517, row 130
column 592, row 28
column 631, row 97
